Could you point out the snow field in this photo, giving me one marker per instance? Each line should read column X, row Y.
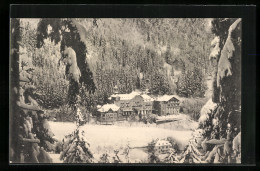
column 107, row 138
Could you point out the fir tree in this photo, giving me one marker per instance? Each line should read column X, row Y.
column 75, row 146
column 31, row 136
column 152, row 155
column 227, row 81
column 220, row 120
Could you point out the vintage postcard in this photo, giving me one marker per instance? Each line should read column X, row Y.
column 125, row 90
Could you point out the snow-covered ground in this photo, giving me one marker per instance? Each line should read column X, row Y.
column 107, row 138
column 179, row 122
column 177, row 117
column 99, row 135
column 55, row 158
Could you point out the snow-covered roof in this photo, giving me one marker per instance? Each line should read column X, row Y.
column 178, row 97
column 166, row 97
column 107, row 107
column 162, row 143
column 147, row 98
column 126, row 96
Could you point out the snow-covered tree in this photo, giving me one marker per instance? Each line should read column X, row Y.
column 30, row 133
column 72, row 38
column 152, row 155
column 76, row 148
column 219, row 139
column 227, row 81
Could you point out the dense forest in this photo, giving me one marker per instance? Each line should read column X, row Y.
column 168, row 56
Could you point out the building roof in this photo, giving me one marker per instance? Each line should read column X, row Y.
column 162, row 143
column 107, row 107
column 166, row 97
column 128, row 110
column 126, row 96
column 132, row 95
column 147, row 98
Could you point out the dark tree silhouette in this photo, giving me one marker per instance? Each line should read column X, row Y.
column 29, row 131
column 14, row 92
column 70, row 34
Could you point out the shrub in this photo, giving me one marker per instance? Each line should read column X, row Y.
column 150, row 118
column 104, row 158
column 133, row 118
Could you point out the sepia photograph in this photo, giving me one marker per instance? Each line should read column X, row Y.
column 125, row 90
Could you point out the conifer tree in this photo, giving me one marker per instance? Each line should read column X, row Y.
column 30, row 133
column 75, row 146
column 152, row 155
column 227, row 80
column 221, row 116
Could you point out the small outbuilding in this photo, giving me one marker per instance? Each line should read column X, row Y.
column 162, row 146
